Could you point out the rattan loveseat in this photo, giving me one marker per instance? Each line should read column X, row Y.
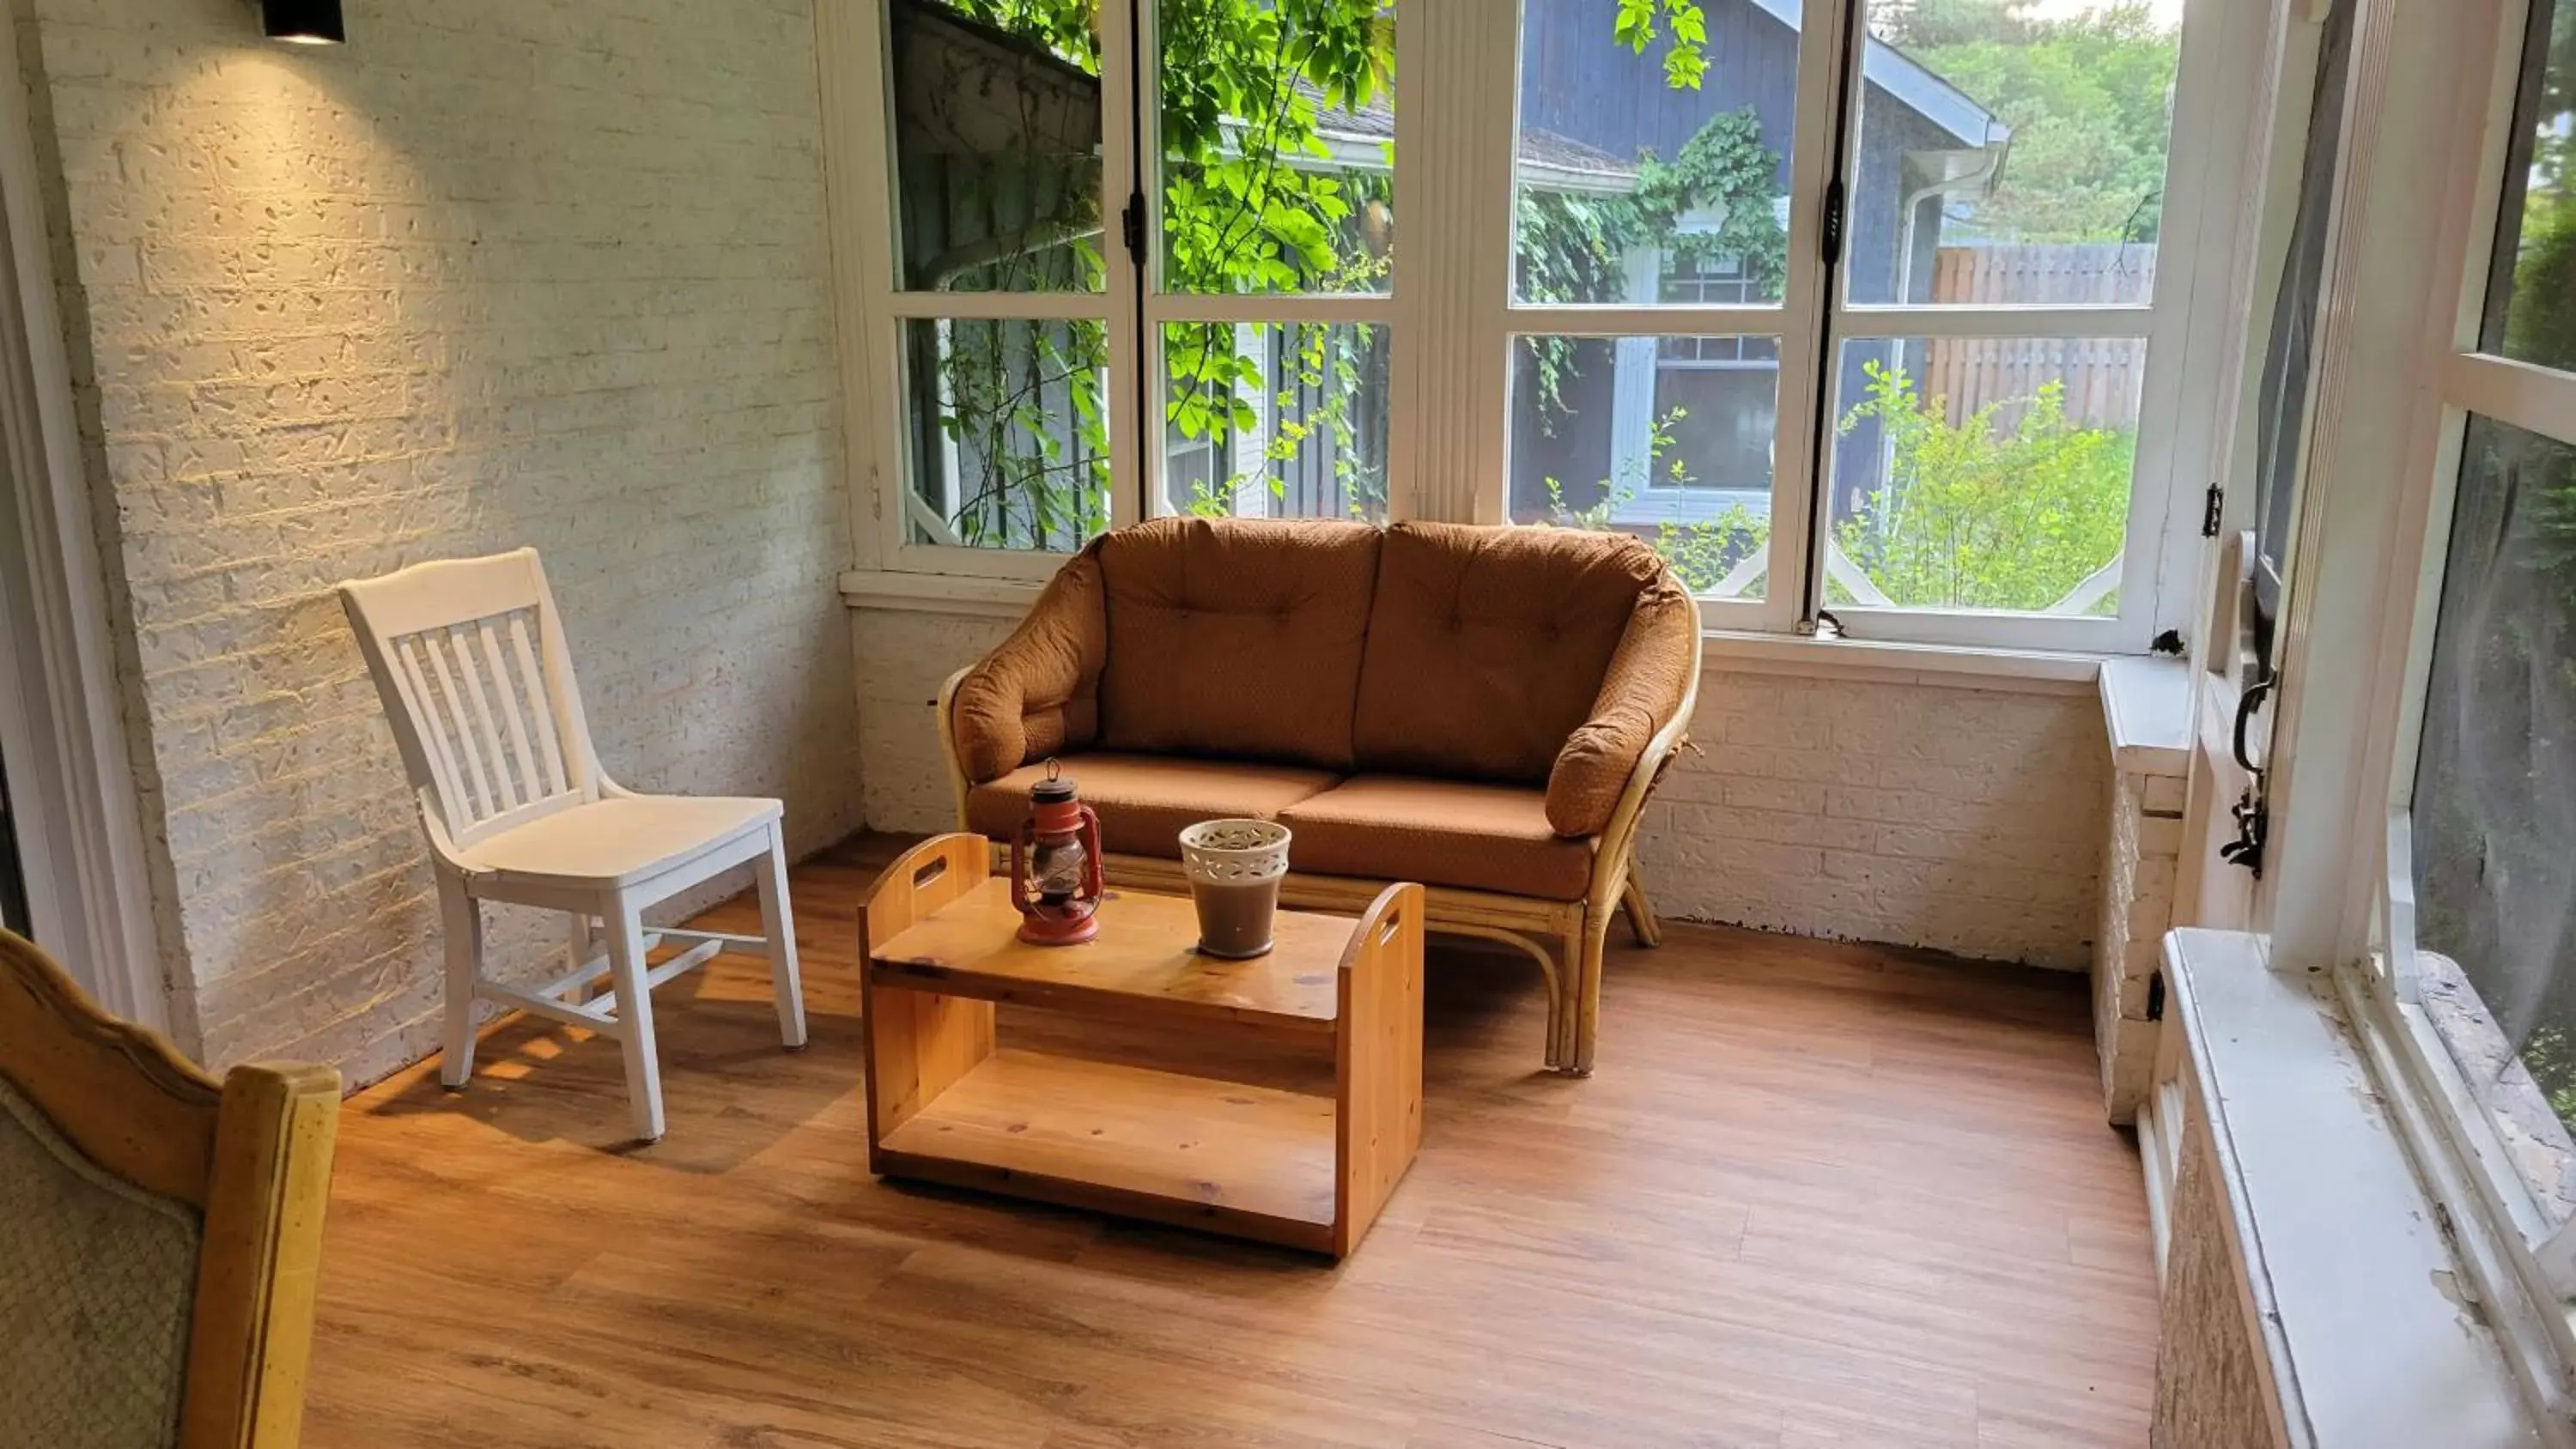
column 1482, row 710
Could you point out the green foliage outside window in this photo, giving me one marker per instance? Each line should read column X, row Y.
column 1970, row 516
column 2086, row 96
column 1990, row 513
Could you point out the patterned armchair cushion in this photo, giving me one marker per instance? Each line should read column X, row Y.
column 96, row 1282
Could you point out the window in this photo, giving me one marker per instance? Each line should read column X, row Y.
column 1866, row 327
column 2281, row 416
column 1000, row 283
column 2491, row 813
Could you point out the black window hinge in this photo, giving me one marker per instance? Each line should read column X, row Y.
column 1131, row 226
column 2213, row 504
column 1833, row 242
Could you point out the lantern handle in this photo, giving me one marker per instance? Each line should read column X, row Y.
column 1090, row 828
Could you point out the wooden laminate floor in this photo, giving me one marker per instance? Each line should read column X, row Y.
column 1817, row 1195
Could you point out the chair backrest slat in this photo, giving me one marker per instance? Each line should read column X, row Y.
column 488, row 745
column 460, row 744
column 487, row 734
column 532, row 680
column 417, row 705
column 531, row 785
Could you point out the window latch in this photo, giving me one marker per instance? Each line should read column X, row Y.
column 1833, row 238
column 2212, row 507
column 1131, row 227
column 2253, row 826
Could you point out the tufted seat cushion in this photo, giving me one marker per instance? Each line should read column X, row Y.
column 1439, row 832
column 1237, row 640
column 1144, row 800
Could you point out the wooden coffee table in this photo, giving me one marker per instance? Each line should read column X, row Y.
column 945, row 1104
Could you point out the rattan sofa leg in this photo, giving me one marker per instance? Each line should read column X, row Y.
column 1641, row 916
column 1585, row 980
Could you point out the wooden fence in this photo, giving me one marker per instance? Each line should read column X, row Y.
column 2102, row 375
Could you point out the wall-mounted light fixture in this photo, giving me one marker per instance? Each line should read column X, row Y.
column 302, row 22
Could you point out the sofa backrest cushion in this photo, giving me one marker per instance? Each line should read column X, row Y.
column 1487, row 646
column 1236, row 638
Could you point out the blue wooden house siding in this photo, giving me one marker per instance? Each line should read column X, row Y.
column 1578, row 84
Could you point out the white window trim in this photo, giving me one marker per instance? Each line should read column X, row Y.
column 1452, row 315
column 2428, row 117
column 70, row 780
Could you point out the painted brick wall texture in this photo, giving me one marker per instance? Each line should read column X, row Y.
column 551, row 272
column 1964, row 820
column 2141, row 856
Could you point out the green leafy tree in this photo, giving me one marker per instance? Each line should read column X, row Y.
column 2087, row 98
column 1989, row 513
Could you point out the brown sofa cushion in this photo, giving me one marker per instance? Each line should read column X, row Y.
column 1438, row 832
column 1039, row 693
column 1237, row 639
column 1639, row 693
column 1144, row 801
column 1486, row 646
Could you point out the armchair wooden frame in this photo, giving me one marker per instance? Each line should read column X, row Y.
column 252, row 1153
column 1566, row 938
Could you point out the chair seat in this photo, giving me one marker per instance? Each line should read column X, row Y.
column 1145, row 800
column 621, row 840
column 1439, row 832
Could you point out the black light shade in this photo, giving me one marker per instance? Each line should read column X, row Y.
column 304, row 22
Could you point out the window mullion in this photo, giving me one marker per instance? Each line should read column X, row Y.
column 1127, row 88
column 1827, row 67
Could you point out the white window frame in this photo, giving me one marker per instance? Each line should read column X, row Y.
column 1452, row 319
column 854, row 42
column 72, row 786
column 2429, row 115
column 1164, row 307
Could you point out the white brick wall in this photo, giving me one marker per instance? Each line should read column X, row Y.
column 497, row 272
column 2141, row 854
column 1916, row 813
column 1965, row 820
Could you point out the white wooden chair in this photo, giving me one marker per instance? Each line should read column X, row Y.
column 469, row 657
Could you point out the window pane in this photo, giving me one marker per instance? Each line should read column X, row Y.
column 2495, row 797
column 997, row 146
column 1645, row 154
column 1667, row 438
column 2281, row 407
column 2531, row 303
column 1278, row 135
column 1275, row 420
column 2011, row 152
column 1006, row 433
column 1982, row 473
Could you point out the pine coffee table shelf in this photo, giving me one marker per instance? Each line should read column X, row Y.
column 946, row 1104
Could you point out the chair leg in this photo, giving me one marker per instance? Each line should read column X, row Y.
column 1641, row 916
column 635, row 1022
column 582, row 941
column 461, row 930
column 778, row 923
column 1585, row 988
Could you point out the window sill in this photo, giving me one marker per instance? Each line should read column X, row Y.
column 2350, row 1275
column 1735, row 650
column 887, row 591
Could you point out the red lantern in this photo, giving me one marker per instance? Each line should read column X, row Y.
column 1055, row 866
